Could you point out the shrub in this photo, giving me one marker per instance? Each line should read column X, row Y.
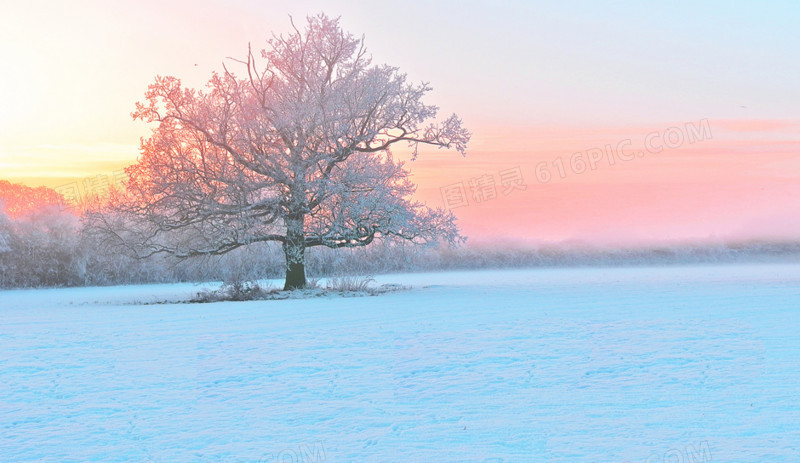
column 350, row 284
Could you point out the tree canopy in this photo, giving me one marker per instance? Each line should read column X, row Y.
column 294, row 150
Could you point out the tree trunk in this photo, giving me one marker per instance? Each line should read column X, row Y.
column 295, row 251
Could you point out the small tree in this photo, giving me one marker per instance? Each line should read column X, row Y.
column 296, row 152
column 5, row 232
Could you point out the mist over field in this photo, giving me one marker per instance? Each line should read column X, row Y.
column 49, row 247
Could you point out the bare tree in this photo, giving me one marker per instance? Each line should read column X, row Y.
column 297, row 151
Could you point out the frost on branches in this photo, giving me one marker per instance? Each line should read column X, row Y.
column 295, row 149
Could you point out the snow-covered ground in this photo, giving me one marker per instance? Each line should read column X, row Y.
column 639, row 364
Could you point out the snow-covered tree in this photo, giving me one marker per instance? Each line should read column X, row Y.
column 295, row 150
column 5, row 232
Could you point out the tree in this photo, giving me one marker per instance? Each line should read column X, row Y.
column 5, row 235
column 297, row 151
column 17, row 200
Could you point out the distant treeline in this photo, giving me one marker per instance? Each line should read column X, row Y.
column 49, row 246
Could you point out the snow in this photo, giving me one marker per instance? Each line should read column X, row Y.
column 637, row 364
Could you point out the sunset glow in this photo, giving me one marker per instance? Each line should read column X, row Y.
column 536, row 83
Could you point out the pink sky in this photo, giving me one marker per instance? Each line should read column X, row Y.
column 741, row 183
column 535, row 81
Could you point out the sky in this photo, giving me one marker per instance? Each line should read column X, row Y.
column 702, row 98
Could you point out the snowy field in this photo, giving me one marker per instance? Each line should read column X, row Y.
column 640, row 364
